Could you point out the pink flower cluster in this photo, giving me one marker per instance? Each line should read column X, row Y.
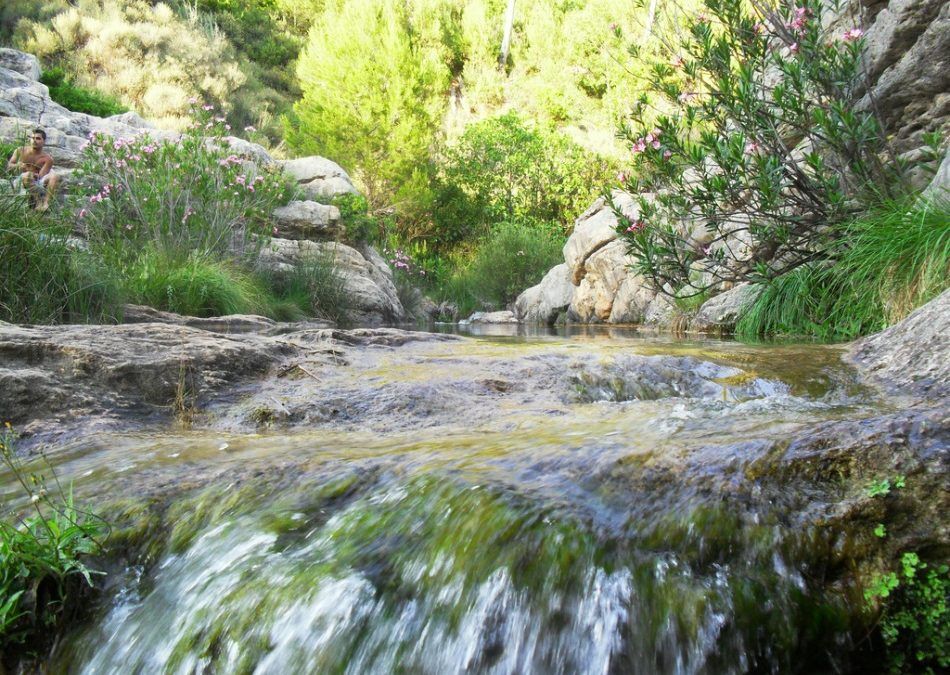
column 652, row 140
column 230, row 160
column 801, row 18
column 101, row 195
column 751, row 148
column 401, row 261
column 637, row 225
column 852, row 35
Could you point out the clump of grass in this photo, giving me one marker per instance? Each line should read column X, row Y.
column 888, row 263
column 43, row 546
column 43, row 279
column 196, row 284
column 79, row 99
column 315, row 287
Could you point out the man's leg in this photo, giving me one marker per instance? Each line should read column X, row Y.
column 28, row 182
column 48, row 184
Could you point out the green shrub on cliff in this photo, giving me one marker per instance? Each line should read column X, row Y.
column 763, row 149
column 79, row 99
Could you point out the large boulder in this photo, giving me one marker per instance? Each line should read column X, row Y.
column 319, row 178
column 720, row 313
column 910, row 357
column 365, row 277
column 20, row 62
column 307, row 220
column 548, row 300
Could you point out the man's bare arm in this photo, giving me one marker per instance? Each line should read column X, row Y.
column 46, row 165
column 14, row 160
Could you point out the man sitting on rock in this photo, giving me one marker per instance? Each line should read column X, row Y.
column 36, row 169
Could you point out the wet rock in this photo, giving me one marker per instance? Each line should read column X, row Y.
column 55, row 377
column 503, row 316
column 234, row 323
column 910, row 357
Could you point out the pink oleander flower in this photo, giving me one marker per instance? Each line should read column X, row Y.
column 636, row 226
column 793, row 48
column 207, row 108
column 192, row 101
column 677, row 61
column 639, row 146
column 656, row 144
column 667, row 154
column 759, row 28
column 852, row 35
column 621, row 177
column 702, row 17
column 82, row 213
column 249, row 129
column 751, row 148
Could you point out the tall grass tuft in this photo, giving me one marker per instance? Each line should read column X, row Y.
column 315, row 287
column 42, row 278
column 889, row 262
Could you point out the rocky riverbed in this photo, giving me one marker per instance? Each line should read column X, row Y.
column 291, row 498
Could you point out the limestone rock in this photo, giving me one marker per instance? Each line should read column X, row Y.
column 720, row 313
column 503, row 316
column 596, row 228
column 319, row 177
column 370, row 290
column 660, row 313
column 605, row 270
column 234, row 323
column 20, row 62
column 632, row 299
column 939, row 187
column 547, row 300
column 911, row 356
column 307, row 220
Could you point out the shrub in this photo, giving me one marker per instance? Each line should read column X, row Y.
column 79, row 99
column 763, row 145
column 43, row 279
column 315, row 287
column 196, row 284
column 512, row 258
column 887, row 263
column 183, row 196
column 502, row 169
column 113, row 47
column 42, row 551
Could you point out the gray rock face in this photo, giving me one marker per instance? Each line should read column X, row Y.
column 910, row 357
column 720, row 313
column 20, row 62
column 319, row 177
column 939, row 187
column 366, row 279
column 908, row 57
column 545, row 302
column 307, row 220
column 60, row 372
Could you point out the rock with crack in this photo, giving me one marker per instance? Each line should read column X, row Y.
column 307, row 220
column 319, row 178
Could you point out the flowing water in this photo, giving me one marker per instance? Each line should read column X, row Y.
column 494, row 505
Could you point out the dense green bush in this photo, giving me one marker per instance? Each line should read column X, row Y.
column 184, row 196
column 79, row 99
column 513, row 257
column 763, row 147
column 504, row 169
column 886, row 264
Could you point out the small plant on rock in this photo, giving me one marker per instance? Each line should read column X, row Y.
column 43, row 546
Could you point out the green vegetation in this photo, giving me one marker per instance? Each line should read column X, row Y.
column 886, row 263
column 913, row 604
column 511, row 258
column 43, row 547
column 79, row 99
column 43, row 279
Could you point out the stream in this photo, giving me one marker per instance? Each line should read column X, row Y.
column 597, row 502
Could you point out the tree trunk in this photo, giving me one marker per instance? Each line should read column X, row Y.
column 651, row 17
column 506, row 40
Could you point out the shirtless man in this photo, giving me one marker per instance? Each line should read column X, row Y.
column 36, row 167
